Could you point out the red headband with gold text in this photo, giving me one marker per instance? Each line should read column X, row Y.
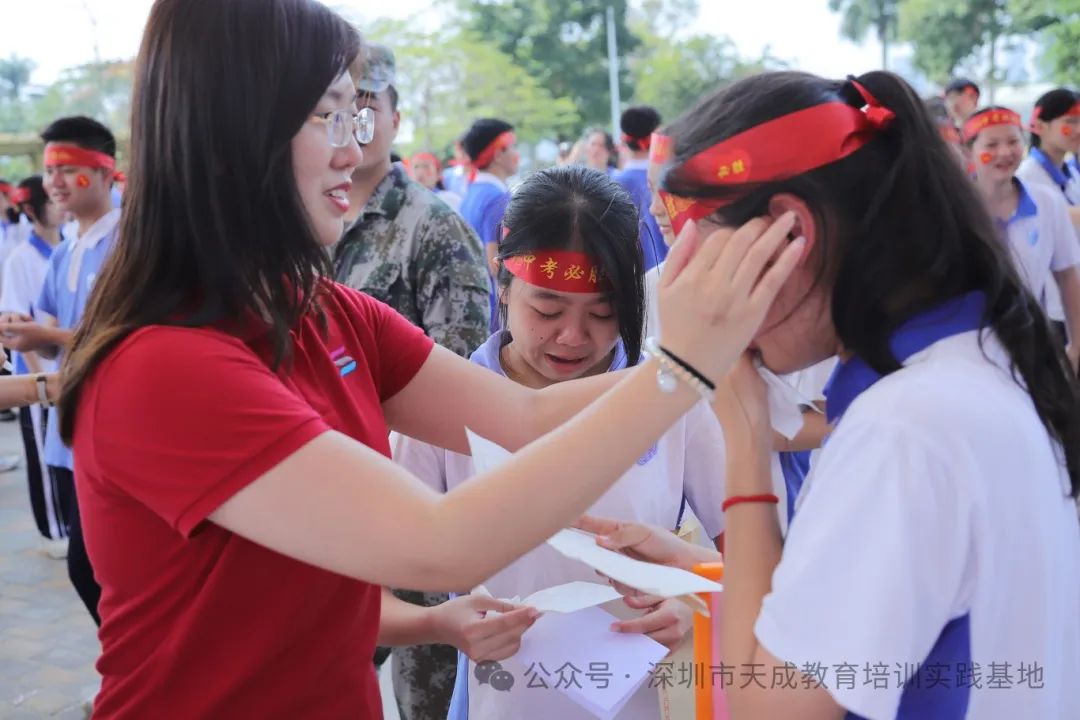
column 779, row 149
column 991, row 118
column 559, row 270
column 77, row 156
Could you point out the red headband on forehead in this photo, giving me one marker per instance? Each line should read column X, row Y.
column 77, row 156
column 1074, row 111
column 19, row 195
column 990, row 118
column 429, row 157
column 559, row 270
column 487, row 155
column 782, row 148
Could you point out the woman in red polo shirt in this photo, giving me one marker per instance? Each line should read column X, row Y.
column 229, row 407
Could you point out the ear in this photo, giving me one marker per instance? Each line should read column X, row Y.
column 805, row 222
column 397, row 122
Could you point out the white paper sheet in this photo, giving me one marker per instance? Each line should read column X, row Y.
column 644, row 576
column 566, row 598
column 610, row 666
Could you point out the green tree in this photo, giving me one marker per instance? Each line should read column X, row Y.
column 445, row 80
column 672, row 75
column 671, row 71
column 859, row 16
column 98, row 90
column 14, row 77
column 560, row 43
column 1058, row 24
column 949, row 33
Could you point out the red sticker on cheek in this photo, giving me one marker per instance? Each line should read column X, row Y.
column 82, row 181
column 1066, row 130
column 986, row 158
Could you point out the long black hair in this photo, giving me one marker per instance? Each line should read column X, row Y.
column 903, row 228
column 214, row 227
column 572, row 207
column 1052, row 105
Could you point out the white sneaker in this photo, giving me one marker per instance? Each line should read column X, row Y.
column 56, row 549
column 9, row 462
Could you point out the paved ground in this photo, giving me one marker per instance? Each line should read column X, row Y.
column 48, row 642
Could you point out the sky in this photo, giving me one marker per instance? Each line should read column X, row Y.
column 80, row 31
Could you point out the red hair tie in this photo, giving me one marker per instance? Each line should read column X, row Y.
column 879, row 116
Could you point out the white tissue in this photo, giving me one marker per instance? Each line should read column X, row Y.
column 786, row 404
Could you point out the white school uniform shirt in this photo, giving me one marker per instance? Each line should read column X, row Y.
column 938, row 502
column 1042, row 241
column 688, row 459
column 1032, row 172
column 23, row 277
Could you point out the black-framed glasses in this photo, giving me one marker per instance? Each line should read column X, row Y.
column 339, row 123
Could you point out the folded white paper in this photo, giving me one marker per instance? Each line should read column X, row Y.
column 644, row 576
column 567, row 598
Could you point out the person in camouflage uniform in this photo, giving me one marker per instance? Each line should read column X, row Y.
column 408, row 249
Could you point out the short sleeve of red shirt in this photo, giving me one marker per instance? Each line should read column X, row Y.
column 182, row 418
column 401, row 347
column 211, row 418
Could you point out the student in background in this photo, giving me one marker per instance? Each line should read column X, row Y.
column 638, row 124
column 23, row 278
column 1032, row 218
column 1055, row 143
column 80, row 165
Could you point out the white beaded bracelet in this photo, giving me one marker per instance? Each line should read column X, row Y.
column 670, row 373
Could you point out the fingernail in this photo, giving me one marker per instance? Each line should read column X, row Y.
column 614, row 627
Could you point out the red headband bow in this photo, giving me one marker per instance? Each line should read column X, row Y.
column 642, row 142
column 823, row 134
column 19, row 195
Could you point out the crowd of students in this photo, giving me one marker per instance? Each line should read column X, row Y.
column 259, row 455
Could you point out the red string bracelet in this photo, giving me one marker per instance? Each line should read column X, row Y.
column 737, row 499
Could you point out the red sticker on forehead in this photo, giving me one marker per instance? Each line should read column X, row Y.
column 82, row 181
